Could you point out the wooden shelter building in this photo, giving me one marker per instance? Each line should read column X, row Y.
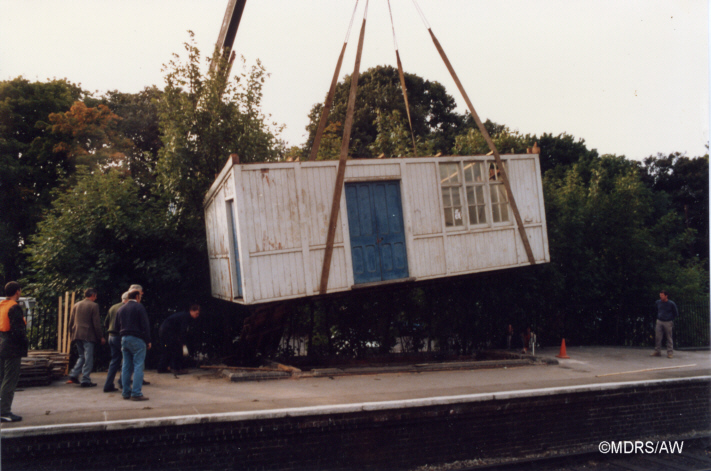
column 406, row 219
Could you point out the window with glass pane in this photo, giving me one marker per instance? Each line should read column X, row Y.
column 497, row 192
column 450, row 181
column 475, row 182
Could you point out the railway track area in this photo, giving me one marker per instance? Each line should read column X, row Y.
column 696, row 456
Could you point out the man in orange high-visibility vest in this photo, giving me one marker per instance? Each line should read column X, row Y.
column 13, row 346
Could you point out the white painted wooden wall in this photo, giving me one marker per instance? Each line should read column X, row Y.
column 281, row 214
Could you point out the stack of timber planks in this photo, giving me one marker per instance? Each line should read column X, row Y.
column 41, row 367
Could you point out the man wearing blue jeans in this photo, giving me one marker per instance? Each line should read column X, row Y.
column 85, row 329
column 114, row 343
column 132, row 324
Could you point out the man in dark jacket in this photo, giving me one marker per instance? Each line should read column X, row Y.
column 666, row 313
column 114, row 343
column 173, row 335
column 132, row 324
column 85, row 328
column 13, row 346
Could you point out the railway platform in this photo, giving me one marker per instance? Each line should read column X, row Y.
column 380, row 420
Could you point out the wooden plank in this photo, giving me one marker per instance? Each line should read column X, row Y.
column 384, row 283
column 407, row 213
column 232, row 161
column 69, row 334
column 243, row 225
column 542, row 209
column 360, row 171
column 342, row 163
column 59, row 326
column 65, row 346
column 327, row 105
column 426, row 210
column 404, row 94
column 430, row 256
column 304, row 212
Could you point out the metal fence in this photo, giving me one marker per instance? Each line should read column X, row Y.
column 693, row 329
column 624, row 326
column 633, row 324
column 43, row 330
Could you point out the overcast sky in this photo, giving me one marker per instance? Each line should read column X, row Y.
column 631, row 77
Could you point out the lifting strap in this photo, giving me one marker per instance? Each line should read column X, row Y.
column 402, row 81
column 487, row 138
column 331, row 92
column 340, row 176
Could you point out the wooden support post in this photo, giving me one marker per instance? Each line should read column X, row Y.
column 69, row 333
column 340, row 176
column 331, row 92
column 327, row 106
column 492, row 146
column 402, row 81
column 59, row 327
column 65, row 320
column 407, row 103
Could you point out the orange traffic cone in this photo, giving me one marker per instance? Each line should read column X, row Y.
column 562, row 353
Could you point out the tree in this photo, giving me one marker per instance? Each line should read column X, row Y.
column 90, row 136
column 506, row 141
column 432, row 110
column 609, row 256
column 30, row 167
column 101, row 233
column 139, row 124
column 203, row 119
column 393, row 138
column 681, row 184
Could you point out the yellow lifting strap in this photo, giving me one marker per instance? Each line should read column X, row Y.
column 340, row 176
column 331, row 92
column 402, row 82
column 487, row 138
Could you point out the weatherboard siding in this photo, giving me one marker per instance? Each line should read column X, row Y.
column 282, row 212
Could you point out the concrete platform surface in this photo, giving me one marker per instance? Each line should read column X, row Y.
column 203, row 393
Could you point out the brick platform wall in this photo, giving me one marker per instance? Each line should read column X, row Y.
column 391, row 438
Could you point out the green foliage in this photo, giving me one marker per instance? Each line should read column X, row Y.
column 614, row 243
column 136, row 216
column 331, row 140
column 30, row 168
column 619, row 231
column 393, row 138
column 203, row 119
column 89, row 136
column 560, row 152
column 99, row 233
column 681, row 184
column 139, row 124
column 506, row 141
column 434, row 120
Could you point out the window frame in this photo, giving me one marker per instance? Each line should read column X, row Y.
column 462, row 198
column 474, row 184
column 498, row 183
column 487, row 184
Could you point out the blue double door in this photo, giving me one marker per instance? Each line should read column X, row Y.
column 376, row 229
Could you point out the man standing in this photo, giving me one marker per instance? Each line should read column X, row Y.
column 114, row 343
column 132, row 324
column 666, row 313
column 173, row 334
column 85, row 328
column 13, row 346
